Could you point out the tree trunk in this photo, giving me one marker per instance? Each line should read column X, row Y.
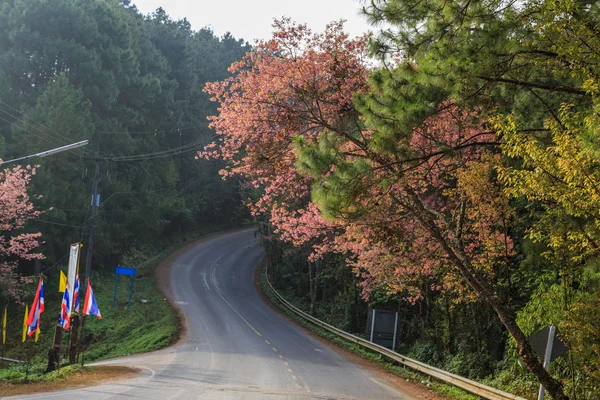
column 313, row 287
column 455, row 253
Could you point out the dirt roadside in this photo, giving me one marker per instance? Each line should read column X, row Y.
column 84, row 377
column 411, row 388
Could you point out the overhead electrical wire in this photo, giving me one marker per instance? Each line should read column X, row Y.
column 25, row 125
column 164, row 153
column 31, row 133
column 151, row 132
column 67, row 140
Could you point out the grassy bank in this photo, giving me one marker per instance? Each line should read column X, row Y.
column 150, row 323
column 437, row 387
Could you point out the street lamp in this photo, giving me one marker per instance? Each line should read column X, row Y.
column 49, row 152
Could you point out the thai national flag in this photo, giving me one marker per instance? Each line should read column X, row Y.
column 37, row 308
column 76, row 294
column 65, row 309
column 90, row 306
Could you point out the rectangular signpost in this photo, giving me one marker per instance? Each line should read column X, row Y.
column 547, row 346
column 127, row 272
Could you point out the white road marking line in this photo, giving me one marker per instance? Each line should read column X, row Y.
column 214, row 281
column 175, row 395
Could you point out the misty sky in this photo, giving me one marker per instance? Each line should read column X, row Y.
column 251, row 19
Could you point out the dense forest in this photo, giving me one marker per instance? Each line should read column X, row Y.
column 445, row 167
column 132, row 86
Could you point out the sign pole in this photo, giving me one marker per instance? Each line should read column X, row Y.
column 131, row 289
column 128, row 272
column 547, row 356
column 115, row 295
column 395, row 330
column 372, row 326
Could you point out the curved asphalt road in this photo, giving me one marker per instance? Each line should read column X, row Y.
column 236, row 346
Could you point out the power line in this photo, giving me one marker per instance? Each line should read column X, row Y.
column 56, row 223
column 31, row 133
column 25, row 123
column 37, row 122
column 151, row 132
column 164, row 153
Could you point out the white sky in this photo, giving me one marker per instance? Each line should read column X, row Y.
column 252, row 19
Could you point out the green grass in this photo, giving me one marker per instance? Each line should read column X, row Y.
column 17, row 373
column 389, row 365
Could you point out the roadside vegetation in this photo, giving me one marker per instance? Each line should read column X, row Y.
column 132, row 85
column 445, row 167
column 454, row 180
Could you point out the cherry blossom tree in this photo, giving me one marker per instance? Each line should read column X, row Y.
column 16, row 209
column 408, row 208
column 297, row 84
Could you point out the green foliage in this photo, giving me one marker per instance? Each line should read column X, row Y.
column 130, row 84
column 22, row 373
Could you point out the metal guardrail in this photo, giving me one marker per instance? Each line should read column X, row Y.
column 448, row 377
column 11, row 360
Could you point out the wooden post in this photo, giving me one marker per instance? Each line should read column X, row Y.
column 81, row 341
column 74, row 340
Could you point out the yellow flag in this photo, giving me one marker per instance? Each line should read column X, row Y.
column 63, row 282
column 37, row 334
column 4, row 326
column 25, row 322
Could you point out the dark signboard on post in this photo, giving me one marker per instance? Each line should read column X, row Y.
column 383, row 328
column 547, row 346
column 539, row 341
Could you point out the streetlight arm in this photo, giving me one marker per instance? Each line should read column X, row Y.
column 49, row 152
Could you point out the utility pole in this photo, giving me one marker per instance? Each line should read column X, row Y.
column 75, row 339
column 88, row 261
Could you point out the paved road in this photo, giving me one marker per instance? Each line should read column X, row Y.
column 236, row 346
